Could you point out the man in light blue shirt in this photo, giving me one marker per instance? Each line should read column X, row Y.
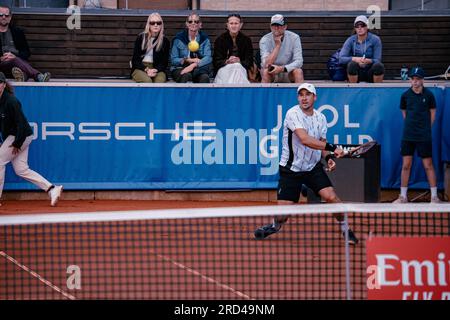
column 281, row 53
column 361, row 53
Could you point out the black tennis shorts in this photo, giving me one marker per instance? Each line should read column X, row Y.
column 290, row 183
column 424, row 148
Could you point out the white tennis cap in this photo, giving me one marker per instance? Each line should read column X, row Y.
column 362, row 19
column 307, row 86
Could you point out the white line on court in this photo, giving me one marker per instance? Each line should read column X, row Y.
column 36, row 275
column 209, row 279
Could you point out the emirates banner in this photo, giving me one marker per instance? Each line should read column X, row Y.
column 408, row 268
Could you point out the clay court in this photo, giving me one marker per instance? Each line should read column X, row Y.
column 196, row 258
column 167, row 259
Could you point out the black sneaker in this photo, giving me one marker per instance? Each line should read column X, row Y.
column 265, row 231
column 43, row 77
column 352, row 239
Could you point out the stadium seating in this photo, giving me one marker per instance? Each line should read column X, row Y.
column 103, row 45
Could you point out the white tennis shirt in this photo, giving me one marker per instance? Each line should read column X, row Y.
column 294, row 155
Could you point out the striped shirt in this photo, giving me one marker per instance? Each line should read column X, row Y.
column 296, row 156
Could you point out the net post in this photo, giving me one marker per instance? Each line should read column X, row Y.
column 347, row 260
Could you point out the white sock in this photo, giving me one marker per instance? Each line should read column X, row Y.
column 433, row 192
column 344, row 226
column 275, row 223
column 404, row 191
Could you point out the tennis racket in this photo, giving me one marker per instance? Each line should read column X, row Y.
column 360, row 150
column 445, row 75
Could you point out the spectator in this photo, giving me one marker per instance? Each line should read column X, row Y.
column 361, row 53
column 195, row 64
column 281, row 53
column 15, row 51
column 233, row 53
column 418, row 107
column 151, row 52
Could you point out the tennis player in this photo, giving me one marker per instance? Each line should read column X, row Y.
column 304, row 144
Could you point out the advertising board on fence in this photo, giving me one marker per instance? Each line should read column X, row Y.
column 199, row 138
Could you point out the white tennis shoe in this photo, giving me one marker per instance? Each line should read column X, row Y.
column 436, row 200
column 55, row 194
column 401, row 199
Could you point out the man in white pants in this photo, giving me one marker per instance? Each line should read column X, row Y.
column 15, row 138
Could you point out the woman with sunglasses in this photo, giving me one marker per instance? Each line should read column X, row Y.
column 151, row 52
column 233, row 53
column 187, row 65
column 362, row 54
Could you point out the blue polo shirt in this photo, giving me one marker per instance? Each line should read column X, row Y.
column 418, row 118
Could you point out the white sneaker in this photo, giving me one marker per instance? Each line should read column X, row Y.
column 55, row 194
column 435, row 200
column 401, row 199
column 18, row 74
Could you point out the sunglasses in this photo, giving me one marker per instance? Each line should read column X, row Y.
column 153, row 23
column 4, row 15
column 194, row 21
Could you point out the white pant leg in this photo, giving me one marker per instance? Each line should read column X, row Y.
column 20, row 164
column 5, row 157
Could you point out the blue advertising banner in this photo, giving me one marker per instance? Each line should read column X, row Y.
column 181, row 137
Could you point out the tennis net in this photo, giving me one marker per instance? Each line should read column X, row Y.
column 206, row 253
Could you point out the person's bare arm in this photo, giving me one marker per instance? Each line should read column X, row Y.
column 433, row 115
column 314, row 143
column 274, row 54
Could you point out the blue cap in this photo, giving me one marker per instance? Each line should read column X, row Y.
column 417, row 72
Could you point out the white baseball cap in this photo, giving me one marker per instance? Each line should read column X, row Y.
column 277, row 19
column 307, row 86
column 362, row 19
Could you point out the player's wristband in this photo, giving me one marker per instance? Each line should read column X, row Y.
column 328, row 157
column 330, row 147
column 285, row 69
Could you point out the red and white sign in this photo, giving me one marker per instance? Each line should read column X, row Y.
column 408, row 268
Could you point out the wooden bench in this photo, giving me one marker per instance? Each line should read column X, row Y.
column 103, row 47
